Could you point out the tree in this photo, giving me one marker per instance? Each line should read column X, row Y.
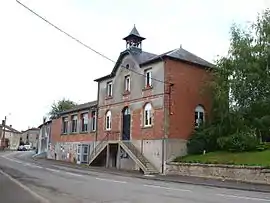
column 60, row 106
column 241, row 87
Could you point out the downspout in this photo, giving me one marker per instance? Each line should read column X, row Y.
column 96, row 138
column 167, row 112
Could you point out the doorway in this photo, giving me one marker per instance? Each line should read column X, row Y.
column 126, row 124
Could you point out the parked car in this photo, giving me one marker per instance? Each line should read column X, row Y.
column 22, row 148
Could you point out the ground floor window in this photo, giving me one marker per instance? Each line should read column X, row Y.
column 83, row 153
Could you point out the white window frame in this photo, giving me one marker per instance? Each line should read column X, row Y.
column 148, row 72
column 108, row 120
column 109, row 88
column 81, row 153
column 72, row 119
column 147, row 115
column 198, row 111
column 65, row 128
column 85, row 121
column 93, row 120
column 127, row 83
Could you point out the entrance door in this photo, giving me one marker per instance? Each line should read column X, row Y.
column 126, row 124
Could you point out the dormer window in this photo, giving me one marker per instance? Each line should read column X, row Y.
column 127, row 83
column 148, row 78
column 109, row 89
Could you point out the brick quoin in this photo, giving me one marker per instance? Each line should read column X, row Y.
column 187, row 92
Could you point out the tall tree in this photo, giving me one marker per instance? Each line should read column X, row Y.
column 240, row 89
column 245, row 73
column 60, row 106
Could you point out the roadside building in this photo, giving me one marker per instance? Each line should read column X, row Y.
column 44, row 138
column 30, row 137
column 148, row 106
column 73, row 134
column 12, row 136
column 146, row 109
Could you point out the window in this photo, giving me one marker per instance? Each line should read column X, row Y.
column 74, row 123
column 148, row 115
column 148, row 78
column 108, row 120
column 94, row 121
column 84, row 122
column 83, row 153
column 127, row 83
column 199, row 116
column 109, row 89
column 65, row 125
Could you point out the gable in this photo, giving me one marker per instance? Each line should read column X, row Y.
column 131, row 57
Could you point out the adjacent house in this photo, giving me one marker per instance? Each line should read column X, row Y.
column 30, row 137
column 146, row 109
column 12, row 136
column 44, row 138
column 73, row 134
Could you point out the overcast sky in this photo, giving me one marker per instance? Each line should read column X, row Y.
column 40, row 65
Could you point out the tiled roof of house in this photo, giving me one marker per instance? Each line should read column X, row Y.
column 8, row 128
column 80, row 107
column 183, row 55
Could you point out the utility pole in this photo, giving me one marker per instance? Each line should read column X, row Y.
column 4, row 131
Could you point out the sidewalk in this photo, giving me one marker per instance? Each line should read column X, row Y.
column 229, row 184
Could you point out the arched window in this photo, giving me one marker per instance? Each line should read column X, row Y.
column 108, row 120
column 199, row 115
column 148, row 115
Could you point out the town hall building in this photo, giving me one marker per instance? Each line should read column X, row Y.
column 146, row 108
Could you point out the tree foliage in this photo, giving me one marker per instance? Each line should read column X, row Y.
column 60, row 106
column 241, row 90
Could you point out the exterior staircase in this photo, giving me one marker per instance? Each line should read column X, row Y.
column 138, row 157
column 98, row 149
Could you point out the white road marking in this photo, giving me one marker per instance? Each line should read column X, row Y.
column 110, row 180
column 53, row 170
column 246, row 198
column 34, row 194
column 167, row 188
column 73, row 174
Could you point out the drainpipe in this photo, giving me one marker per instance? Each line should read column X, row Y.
column 97, row 110
column 167, row 112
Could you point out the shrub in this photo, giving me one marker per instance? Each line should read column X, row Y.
column 202, row 139
column 239, row 142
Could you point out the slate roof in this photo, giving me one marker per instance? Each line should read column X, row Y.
column 183, row 55
column 144, row 58
column 80, row 107
column 134, row 32
column 10, row 129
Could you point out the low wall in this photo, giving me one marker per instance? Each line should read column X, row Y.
column 251, row 174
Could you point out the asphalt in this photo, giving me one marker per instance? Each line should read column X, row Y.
column 229, row 184
column 59, row 183
column 10, row 192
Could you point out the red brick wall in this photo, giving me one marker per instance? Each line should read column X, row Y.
column 138, row 132
column 78, row 137
column 187, row 92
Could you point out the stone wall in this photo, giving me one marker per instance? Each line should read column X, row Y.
column 252, row 174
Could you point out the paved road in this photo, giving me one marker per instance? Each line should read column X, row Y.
column 53, row 183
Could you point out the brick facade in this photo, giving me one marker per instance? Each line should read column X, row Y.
column 187, row 92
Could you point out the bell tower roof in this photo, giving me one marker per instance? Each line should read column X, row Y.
column 134, row 40
column 134, row 34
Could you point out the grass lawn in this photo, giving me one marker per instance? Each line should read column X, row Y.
column 259, row 158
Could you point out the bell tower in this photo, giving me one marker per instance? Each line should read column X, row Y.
column 134, row 39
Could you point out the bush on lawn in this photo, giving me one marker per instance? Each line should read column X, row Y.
column 239, row 142
column 202, row 139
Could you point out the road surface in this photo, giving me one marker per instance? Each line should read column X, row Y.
column 59, row 184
